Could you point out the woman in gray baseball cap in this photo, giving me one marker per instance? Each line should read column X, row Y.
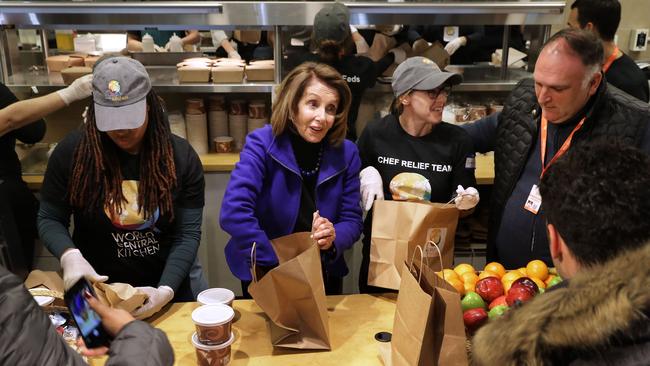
column 136, row 192
column 411, row 154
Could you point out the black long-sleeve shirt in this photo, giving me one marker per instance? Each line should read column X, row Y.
column 9, row 164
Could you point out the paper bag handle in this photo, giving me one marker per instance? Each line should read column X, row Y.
column 417, row 248
column 254, row 261
column 435, row 245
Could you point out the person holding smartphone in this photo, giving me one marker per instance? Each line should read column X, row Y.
column 135, row 191
column 28, row 337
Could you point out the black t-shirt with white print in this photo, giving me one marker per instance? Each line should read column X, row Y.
column 128, row 248
column 444, row 157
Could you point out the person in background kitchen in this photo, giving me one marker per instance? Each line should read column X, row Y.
column 21, row 120
column 440, row 155
column 565, row 104
column 222, row 40
column 597, row 203
column 297, row 174
column 333, row 44
column 602, row 18
column 135, row 191
column 161, row 39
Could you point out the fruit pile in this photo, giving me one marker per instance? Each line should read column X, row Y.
column 493, row 291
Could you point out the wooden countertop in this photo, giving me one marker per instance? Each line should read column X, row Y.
column 353, row 320
column 226, row 162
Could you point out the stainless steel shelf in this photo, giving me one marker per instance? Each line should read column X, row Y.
column 479, row 78
column 163, row 79
column 228, row 14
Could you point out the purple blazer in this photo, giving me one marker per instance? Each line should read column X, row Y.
column 262, row 199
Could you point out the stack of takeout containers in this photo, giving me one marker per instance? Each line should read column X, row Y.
column 213, row 321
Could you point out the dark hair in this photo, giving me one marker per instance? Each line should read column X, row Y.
column 604, row 14
column 598, row 198
column 292, row 88
column 96, row 179
column 584, row 43
column 329, row 50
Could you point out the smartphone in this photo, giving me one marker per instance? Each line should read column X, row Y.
column 88, row 321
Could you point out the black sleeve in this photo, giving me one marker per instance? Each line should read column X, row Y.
column 383, row 64
column 483, row 132
column 475, row 34
column 364, row 144
column 192, row 193
column 29, row 134
column 464, row 163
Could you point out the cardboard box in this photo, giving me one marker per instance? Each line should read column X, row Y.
column 72, row 73
column 193, row 74
column 60, row 62
column 260, row 72
column 227, row 74
column 90, row 61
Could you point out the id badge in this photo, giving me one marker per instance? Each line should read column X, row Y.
column 534, row 200
column 450, row 33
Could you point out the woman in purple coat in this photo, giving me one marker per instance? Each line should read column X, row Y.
column 298, row 174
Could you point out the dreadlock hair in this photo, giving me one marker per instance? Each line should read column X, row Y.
column 97, row 178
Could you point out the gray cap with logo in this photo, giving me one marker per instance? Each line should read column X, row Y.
column 120, row 88
column 332, row 22
column 420, row 73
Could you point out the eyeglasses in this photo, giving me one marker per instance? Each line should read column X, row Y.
column 443, row 91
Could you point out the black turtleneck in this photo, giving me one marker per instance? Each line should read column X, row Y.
column 308, row 157
column 559, row 132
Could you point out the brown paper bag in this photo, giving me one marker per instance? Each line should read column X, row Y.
column 398, row 227
column 40, row 283
column 428, row 327
column 293, row 294
column 434, row 52
column 119, row 295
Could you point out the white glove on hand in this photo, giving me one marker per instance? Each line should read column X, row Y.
column 454, row 45
column 400, row 55
column 371, row 187
column 156, row 299
column 234, row 55
column 76, row 266
column 80, row 89
column 466, row 198
column 218, row 36
column 157, row 48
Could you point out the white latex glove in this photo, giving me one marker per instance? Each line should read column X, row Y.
column 466, row 198
column 157, row 48
column 371, row 187
column 76, row 266
column 156, row 299
column 80, row 89
column 234, row 55
column 400, row 55
column 454, row 45
column 218, row 36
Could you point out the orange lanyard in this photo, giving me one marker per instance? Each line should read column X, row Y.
column 610, row 59
column 565, row 146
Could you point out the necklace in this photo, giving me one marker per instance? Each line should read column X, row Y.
column 309, row 173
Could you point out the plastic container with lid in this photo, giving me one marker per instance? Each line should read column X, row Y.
column 147, row 43
column 175, row 43
column 85, row 43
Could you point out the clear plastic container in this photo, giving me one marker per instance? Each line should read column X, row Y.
column 175, row 43
column 147, row 43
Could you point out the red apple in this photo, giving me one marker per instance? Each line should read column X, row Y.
column 489, row 288
column 519, row 295
column 526, row 282
column 474, row 318
column 501, row 300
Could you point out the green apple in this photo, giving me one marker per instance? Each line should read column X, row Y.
column 554, row 281
column 472, row 300
column 497, row 311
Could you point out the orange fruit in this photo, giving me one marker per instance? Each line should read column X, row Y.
column 495, row 267
column 469, row 277
column 458, row 285
column 549, row 279
column 539, row 282
column 484, row 274
column 511, row 276
column 537, row 268
column 450, row 274
column 507, row 285
column 522, row 270
column 463, row 268
column 470, row 287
